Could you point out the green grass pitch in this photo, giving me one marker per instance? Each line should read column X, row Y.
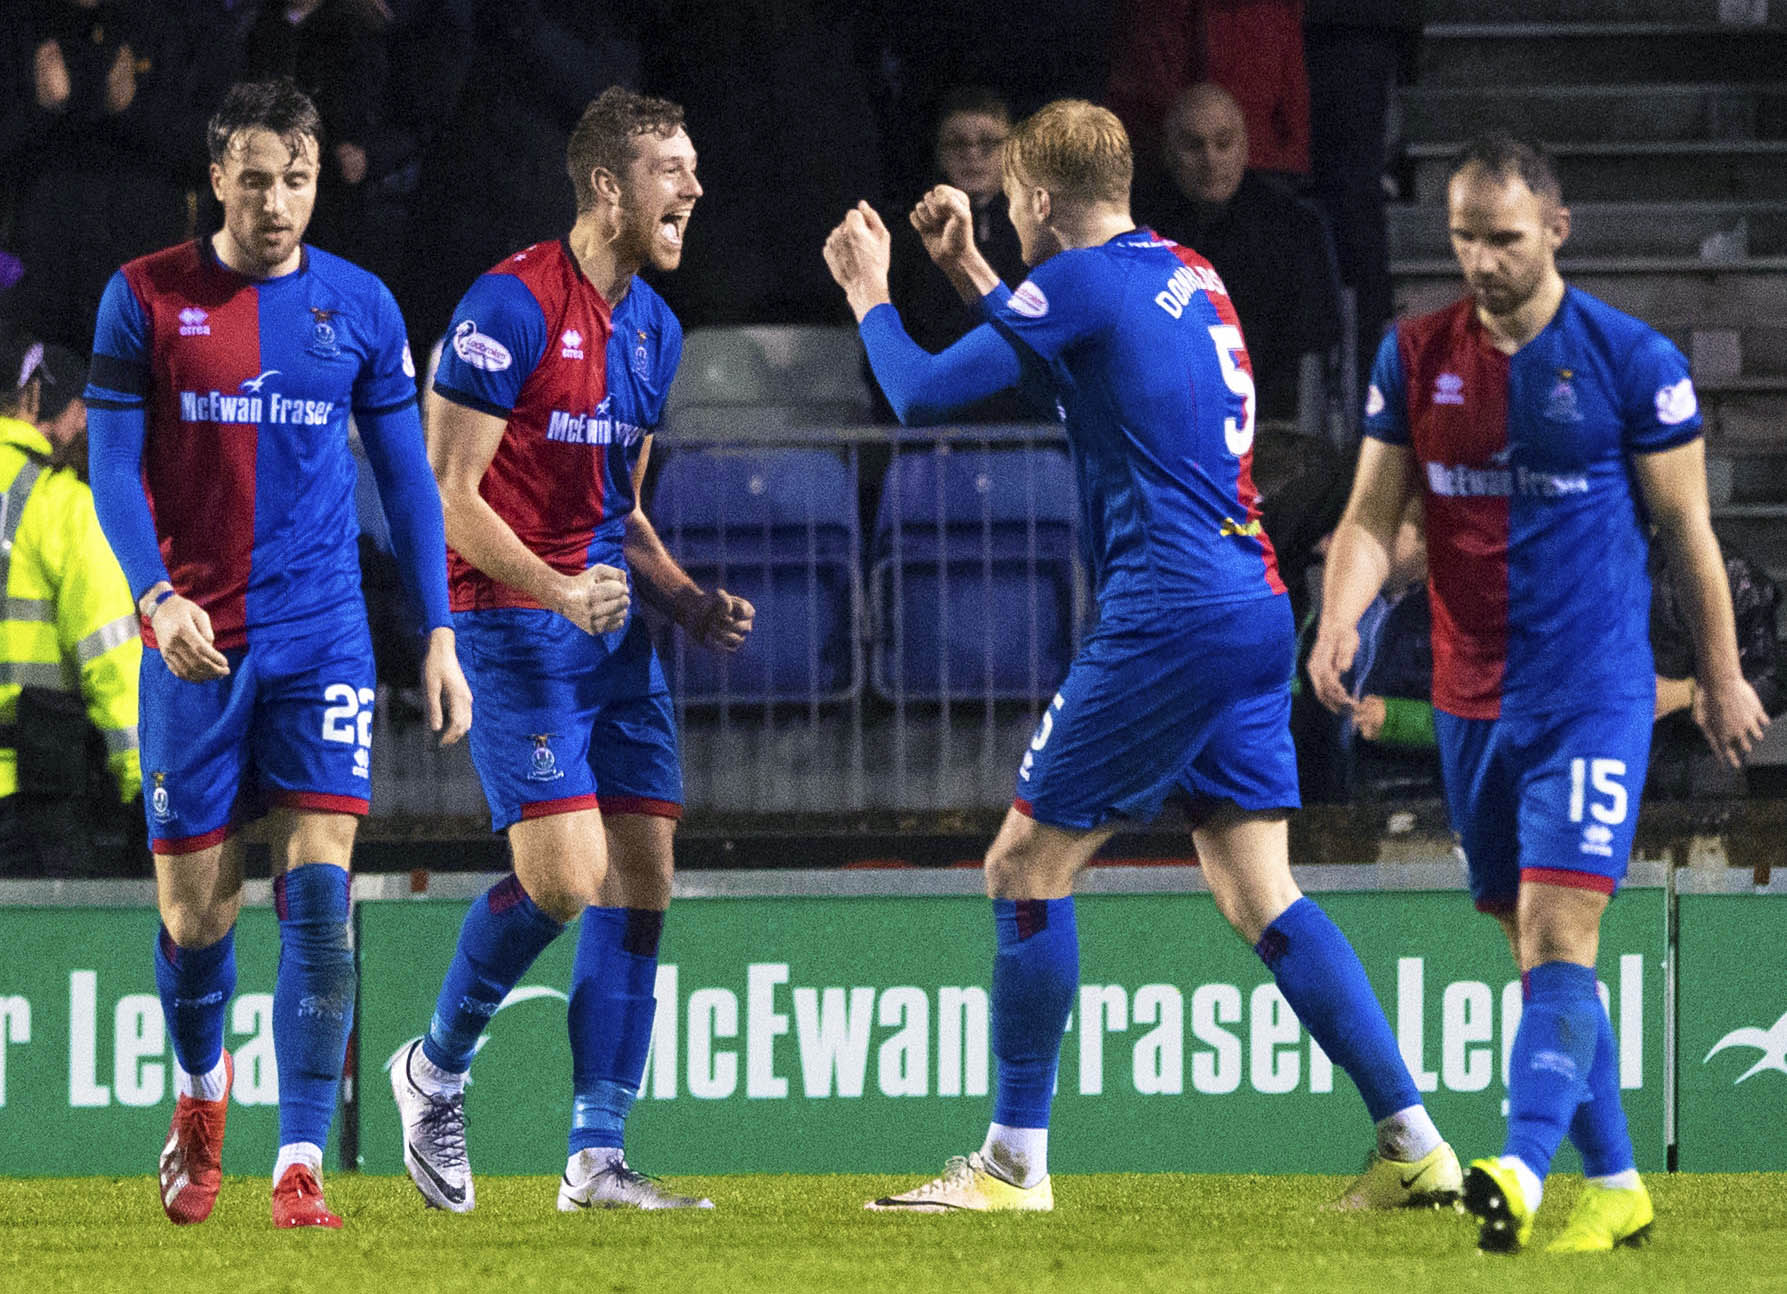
column 1125, row 1233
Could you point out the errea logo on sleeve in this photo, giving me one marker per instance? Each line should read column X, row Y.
column 1676, row 402
column 1374, row 401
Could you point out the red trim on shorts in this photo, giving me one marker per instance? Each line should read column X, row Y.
column 190, row 844
column 641, row 804
column 1569, row 880
column 1023, row 807
column 547, row 808
column 317, row 800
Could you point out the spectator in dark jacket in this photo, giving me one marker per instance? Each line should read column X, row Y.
column 1269, row 247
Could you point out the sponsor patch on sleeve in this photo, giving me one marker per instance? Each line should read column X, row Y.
column 1374, row 401
column 1029, row 301
column 409, row 363
column 1676, row 402
column 480, row 350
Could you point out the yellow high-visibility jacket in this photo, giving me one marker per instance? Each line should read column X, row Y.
column 68, row 620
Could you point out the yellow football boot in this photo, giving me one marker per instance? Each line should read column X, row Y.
column 967, row 1185
column 1492, row 1194
column 1604, row 1217
column 1432, row 1181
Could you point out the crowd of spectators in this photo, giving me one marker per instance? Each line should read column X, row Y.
column 446, row 122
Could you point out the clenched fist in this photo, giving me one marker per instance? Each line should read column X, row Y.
column 595, row 600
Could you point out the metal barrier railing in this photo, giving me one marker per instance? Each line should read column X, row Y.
column 919, row 595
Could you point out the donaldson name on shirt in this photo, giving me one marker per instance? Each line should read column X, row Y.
column 1455, row 481
column 598, row 428
column 215, row 406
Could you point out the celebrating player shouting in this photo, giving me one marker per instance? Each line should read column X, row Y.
column 223, row 374
column 1184, row 686
column 552, row 379
column 1542, row 428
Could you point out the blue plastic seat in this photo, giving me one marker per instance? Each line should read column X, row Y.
column 976, row 583
column 779, row 528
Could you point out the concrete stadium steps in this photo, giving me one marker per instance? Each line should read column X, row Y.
column 1615, row 229
column 1603, row 113
column 1746, row 476
column 1700, row 12
column 1660, row 170
column 1745, row 412
column 1662, row 288
column 1542, row 53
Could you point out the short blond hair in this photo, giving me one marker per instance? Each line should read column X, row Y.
column 1074, row 149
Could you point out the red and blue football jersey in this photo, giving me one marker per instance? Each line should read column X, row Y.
column 246, row 386
column 580, row 385
column 1536, row 535
column 1143, row 351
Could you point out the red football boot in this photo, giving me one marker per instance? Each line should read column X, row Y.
column 298, row 1201
column 191, row 1162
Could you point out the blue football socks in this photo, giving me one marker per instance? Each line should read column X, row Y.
column 195, row 986
column 1036, row 971
column 498, row 941
column 313, row 998
column 1598, row 1130
column 611, row 1012
column 1554, row 1052
column 1321, row 977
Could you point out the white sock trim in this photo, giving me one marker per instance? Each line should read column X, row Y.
column 307, row 1153
column 1407, row 1135
column 1020, row 1155
column 1626, row 1181
column 1530, row 1184
column 430, row 1077
column 203, row 1087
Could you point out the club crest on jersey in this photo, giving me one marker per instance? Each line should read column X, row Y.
column 159, row 804
column 1561, row 405
column 1448, row 388
column 641, row 360
column 545, row 764
column 192, row 323
column 323, row 340
column 480, row 350
column 570, row 346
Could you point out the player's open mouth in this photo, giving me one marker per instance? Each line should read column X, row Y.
column 672, row 227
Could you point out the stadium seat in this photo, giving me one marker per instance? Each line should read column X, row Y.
column 976, row 584
column 778, row 527
column 736, row 381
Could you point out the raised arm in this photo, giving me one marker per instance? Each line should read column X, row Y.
column 922, row 387
column 1673, row 482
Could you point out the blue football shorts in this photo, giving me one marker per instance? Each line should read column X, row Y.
column 1549, row 799
column 563, row 721
column 289, row 725
column 1196, row 703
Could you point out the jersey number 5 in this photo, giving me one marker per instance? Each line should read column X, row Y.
column 1239, row 435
